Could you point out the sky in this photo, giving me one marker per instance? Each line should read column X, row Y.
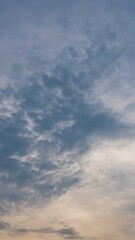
column 67, row 119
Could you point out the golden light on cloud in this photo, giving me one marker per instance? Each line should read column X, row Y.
column 99, row 208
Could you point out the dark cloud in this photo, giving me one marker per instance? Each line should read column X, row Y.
column 66, row 232
column 4, row 226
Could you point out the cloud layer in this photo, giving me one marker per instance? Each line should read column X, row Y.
column 67, row 119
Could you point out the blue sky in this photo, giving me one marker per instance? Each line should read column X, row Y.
column 67, row 119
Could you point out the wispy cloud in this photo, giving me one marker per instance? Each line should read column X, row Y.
column 67, row 118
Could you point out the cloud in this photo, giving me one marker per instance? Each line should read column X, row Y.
column 44, row 126
column 66, row 232
column 4, row 226
column 67, row 92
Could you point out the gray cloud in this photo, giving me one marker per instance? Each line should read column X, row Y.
column 56, row 107
column 66, row 232
column 53, row 116
column 4, row 226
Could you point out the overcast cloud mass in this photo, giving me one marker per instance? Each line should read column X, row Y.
column 67, row 119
